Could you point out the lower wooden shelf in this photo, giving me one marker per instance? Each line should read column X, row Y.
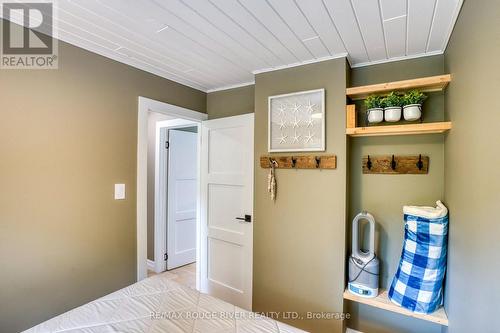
column 410, row 129
column 383, row 302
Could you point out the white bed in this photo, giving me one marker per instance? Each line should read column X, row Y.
column 158, row 304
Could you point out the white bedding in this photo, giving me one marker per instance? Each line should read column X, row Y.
column 158, row 304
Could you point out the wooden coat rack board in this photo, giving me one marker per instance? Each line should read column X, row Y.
column 300, row 162
column 393, row 164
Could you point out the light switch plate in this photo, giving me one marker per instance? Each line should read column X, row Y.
column 119, row 191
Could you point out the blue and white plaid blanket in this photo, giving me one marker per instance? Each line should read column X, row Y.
column 418, row 283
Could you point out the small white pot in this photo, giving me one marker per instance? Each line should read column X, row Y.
column 412, row 112
column 375, row 115
column 392, row 114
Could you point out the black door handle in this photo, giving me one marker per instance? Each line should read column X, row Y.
column 247, row 218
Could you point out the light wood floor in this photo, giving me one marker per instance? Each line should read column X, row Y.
column 185, row 275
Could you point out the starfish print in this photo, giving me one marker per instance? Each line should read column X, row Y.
column 309, row 137
column 295, row 108
column 310, row 123
column 281, row 110
column 283, row 138
column 296, row 137
column 310, row 107
column 282, row 124
column 295, row 123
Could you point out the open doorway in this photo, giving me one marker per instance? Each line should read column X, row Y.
column 172, row 207
column 224, row 228
column 168, row 188
column 181, row 157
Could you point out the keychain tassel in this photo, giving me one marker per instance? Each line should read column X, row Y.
column 273, row 188
column 271, row 181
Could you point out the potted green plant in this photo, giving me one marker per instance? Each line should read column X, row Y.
column 392, row 107
column 375, row 112
column 412, row 105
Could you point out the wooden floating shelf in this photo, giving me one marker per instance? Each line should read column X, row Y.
column 383, row 302
column 410, row 129
column 425, row 84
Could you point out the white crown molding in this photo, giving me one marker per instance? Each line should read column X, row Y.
column 384, row 61
column 232, row 86
column 297, row 64
column 362, row 64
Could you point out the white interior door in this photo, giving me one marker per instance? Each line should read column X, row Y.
column 226, row 198
column 182, row 197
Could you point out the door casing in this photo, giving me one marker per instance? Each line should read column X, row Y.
column 146, row 105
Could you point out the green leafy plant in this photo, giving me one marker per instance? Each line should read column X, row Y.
column 392, row 99
column 373, row 102
column 414, row 97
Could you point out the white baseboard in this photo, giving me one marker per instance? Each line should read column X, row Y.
column 151, row 265
column 350, row 330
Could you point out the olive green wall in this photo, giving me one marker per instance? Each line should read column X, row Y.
column 472, row 183
column 231, row 102
column 299, row 239
column 385, row 195
column 66, row 137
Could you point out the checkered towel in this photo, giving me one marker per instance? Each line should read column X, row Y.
column 417, row 285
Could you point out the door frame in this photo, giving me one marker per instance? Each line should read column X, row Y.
column 161, row 187
column 144, row 106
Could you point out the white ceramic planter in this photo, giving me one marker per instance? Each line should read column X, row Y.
column 375, row 115
column 412, row 112
column 392, row 114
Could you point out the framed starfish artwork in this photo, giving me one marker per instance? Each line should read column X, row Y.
column 297, row 121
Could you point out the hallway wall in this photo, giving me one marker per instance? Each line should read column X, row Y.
column 472, row 174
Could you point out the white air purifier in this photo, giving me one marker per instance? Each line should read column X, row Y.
column 363, row 265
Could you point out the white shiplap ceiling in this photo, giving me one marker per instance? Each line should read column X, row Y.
column 214, row 44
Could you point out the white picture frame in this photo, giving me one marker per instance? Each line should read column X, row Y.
column 296, row 122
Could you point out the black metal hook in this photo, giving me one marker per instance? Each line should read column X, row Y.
column 318, row 161
column 369, row 163
column 393, row 163
column 294, row 160
column 420, row 164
